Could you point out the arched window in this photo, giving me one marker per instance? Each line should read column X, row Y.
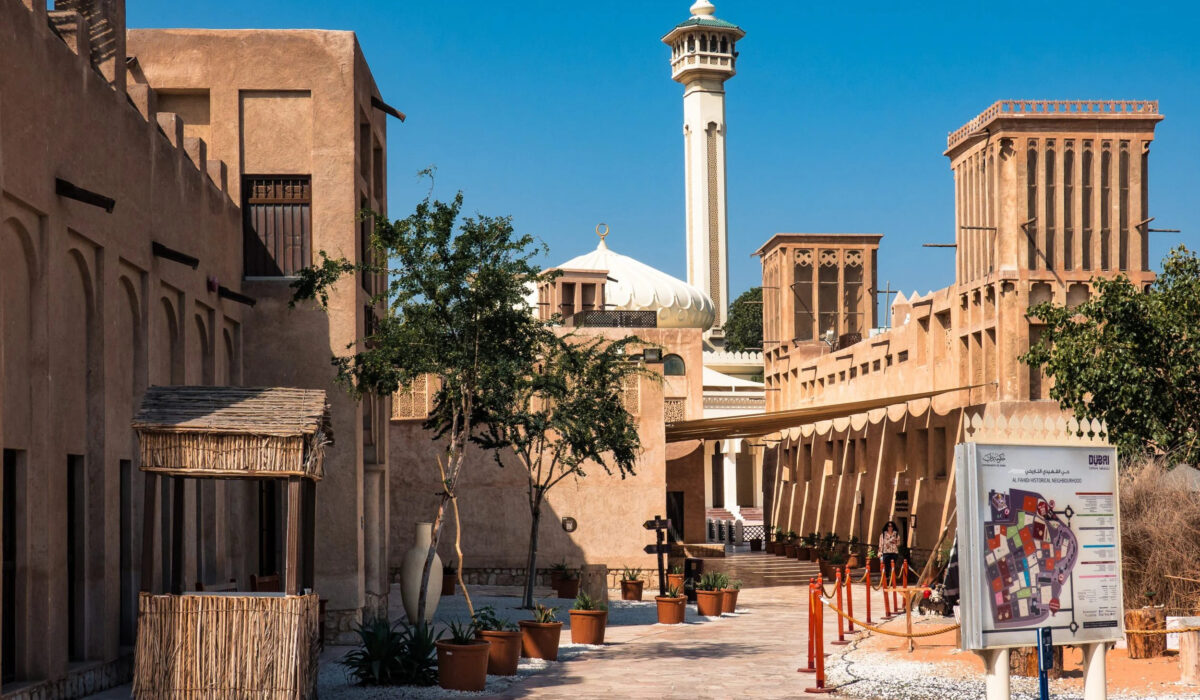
column 691, row 44
column 673, row 366
column 724, row 45
column 704, row 42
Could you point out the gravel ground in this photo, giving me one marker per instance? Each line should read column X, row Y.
column 873, row 675
column 334, row 682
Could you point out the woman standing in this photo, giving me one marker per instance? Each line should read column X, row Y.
column 889, row 546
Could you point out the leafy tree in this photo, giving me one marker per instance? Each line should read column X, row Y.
column 563, row 417
column 1131, row 358
column 743, row 329
column 456, row 310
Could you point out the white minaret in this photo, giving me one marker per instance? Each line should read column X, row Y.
column 702, row 59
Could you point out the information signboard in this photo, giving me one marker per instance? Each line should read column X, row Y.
column 1038, row 543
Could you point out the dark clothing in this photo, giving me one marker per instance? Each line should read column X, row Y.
column 888, row 561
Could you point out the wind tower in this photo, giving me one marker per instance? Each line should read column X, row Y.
column 703, row 57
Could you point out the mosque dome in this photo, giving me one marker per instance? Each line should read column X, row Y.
column 635, row 286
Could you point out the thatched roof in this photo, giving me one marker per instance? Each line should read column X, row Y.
column 233, row 431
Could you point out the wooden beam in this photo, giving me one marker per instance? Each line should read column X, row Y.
column 149, row 505
column 308, row 525
column 292, row 558
column 178, row 504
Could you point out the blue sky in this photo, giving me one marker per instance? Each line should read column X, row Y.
column 563, row 114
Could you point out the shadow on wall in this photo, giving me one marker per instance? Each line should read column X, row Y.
column 493, row 503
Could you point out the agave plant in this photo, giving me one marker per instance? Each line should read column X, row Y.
column 393, row 654
column 462, row 632
column 712, row 581
column 544, row 614
column 583, row 601
column 631, row 575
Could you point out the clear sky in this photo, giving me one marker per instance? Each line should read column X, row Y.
column 563, row 114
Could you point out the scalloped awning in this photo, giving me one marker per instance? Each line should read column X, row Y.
column 758, row 424
column 233, row 432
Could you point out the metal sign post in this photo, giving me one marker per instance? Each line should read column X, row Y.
column 1045, row 660
column 661, row 548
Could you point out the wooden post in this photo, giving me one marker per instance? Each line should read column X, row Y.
column 308, row 524
column 178, row 506
column 1189, row 654
column 292, row 558
column 149, row 505
column 1146, row 646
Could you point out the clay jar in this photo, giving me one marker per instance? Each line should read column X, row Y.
column 539, row 640
column 504, row 652
column 671, row 611
column 728, row 600
column 631, row 590
column 587, row 626
column 411, row 569
column 463, row 666
column 708, row 603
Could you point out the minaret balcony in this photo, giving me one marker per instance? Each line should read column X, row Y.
column 703, row 61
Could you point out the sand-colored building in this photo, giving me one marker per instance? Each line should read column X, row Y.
column 1048, row 196
column 157, row 191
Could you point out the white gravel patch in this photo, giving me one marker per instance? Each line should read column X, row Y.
column 876, row 675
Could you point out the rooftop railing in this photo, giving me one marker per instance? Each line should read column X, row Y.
column 1052, row 108
column 615, row 318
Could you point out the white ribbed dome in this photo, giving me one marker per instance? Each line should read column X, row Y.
column 635, row 286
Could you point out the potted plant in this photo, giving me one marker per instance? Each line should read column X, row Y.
column 539, row 636
column 393, row 654
column 462, row 659
column 672, row 607
column 631, row 584
column 831, row 563
column 756, row 544
column 589, row 617
column 852, row 551
column 449, row 573
column 729, row 597
column 790, row 545
column 872, row 560
column 709, row 593
column 778, row 547
column 828, row 544
column 505, row 640
column 675, row 577
column 564, row 580
column 814, row 546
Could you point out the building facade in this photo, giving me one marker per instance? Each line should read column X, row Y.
column 1048, row 196
column 157, row 190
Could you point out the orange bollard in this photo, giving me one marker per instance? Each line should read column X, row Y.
column 868, row 581
column 895, row 597
column 887, row 608
column 849, row 603
column 819, row 649
column 812, row 617
column 837, row 586
column 904, row 573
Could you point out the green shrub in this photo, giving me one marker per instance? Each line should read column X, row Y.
column 712, row 581
column 393, row 654
column 486, row 620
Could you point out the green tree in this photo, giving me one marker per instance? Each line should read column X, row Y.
column 1131, row 358
column 743, row 329
column 456, row 310
column 563, row 417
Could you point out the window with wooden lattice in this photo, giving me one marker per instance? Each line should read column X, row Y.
column 413, row 402
column 631, row 395
column 674, row 410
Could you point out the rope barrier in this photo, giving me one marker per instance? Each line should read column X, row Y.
column 915, row 635
column 1166, row 631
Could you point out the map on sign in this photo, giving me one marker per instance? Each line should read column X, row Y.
column 1030, row 555
column 1038, row 544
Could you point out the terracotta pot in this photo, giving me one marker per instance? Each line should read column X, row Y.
column 587, row 626
column 675, row 580
column 539, row 640
column 631, row 590
column 853, row 562
column 729, row 600
column 789, row 551
column 462, row 666
column 567, row 588
column 756, row 545
column 778, row 549
column 708, row 603
column 448, row 583
column 504, row 652
column 873, row 564
column 671, row 611
column 801, row 553
column 814, row 554
column 556, row 577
